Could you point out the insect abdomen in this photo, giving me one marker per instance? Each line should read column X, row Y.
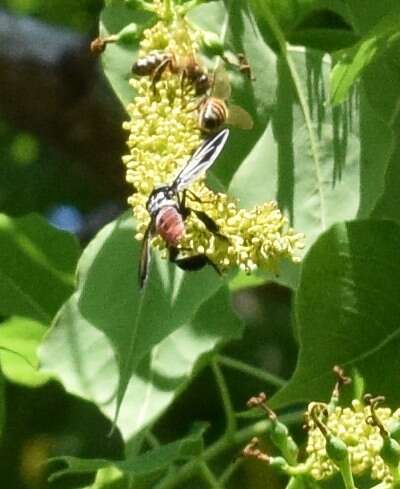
column 169, row 225
column 213, row 114
column 148, row 64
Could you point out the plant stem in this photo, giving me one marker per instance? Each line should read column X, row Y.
column 250, row 370
column 226, row 398
column 221, row 445
column 209, row 477
column 347, row 476
column 152, row 440
column 229, row 471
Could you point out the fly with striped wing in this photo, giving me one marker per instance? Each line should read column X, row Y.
column 168, row 211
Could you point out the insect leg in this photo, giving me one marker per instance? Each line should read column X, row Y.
column 191, row 263
column 194, row 197
column 209, row 223
column 159, row 71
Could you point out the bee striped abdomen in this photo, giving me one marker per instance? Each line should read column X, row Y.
column 148, row 64
column 169, row 225
column 213, row 113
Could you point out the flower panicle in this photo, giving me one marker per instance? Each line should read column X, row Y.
column 163, row 133
column 357, row 440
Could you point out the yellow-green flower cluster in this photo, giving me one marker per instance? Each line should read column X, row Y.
column 164, row 133
column 363, row 439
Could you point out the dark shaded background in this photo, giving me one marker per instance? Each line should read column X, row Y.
column 60, row 147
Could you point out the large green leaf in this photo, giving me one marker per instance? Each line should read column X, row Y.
column 377, row 140
column 353, row 61
column 348, row 311
column 385, row 73
column 157, row 335
column 19, row 340
column 36, row 267
column 312, row 169
column 142, row 470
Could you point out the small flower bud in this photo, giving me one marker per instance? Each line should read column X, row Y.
column 336, row 449
column 390, row 452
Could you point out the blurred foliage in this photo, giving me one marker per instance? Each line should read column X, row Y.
column 80, row 15
column 29, row 164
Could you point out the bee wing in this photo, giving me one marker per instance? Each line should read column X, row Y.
column 145, row 257
column 201, row 160
column 221, row 84
column 239, row 117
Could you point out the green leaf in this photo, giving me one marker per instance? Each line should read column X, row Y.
column 157, row 335
column 291, row 13
column 323, row 39
column 366, row 14
column 384, row 73
column 377, row 140
column 19, row 340
column 348, row 312
column 311, row 170
column 36, row 267
column 353, row 61
column 145, row 468
column 2, row 403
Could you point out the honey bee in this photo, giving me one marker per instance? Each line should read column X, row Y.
column 196, row 75
column 214, row 111
column 156, row 62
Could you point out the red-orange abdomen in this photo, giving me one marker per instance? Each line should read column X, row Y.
column 169, row 225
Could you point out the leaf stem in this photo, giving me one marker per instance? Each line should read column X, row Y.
column 225, row 397
column 250, row 370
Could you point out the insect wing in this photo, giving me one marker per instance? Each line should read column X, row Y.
column 239, row 117
column 145, row 257
column 201, row 160
column 221, row 85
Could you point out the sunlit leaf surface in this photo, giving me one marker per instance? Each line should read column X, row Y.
column 150, row 340
column 348, row 311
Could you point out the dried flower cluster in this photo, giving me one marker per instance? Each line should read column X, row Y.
column 164, row 133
